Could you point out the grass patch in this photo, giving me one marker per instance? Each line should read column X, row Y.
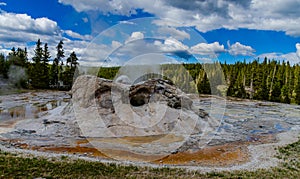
column 14, row 166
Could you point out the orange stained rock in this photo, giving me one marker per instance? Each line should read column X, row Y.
column 224, row 155
column 220, row 155
column 131, row 156
column 78, row 150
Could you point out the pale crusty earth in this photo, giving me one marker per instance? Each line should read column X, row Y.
column 50, row 124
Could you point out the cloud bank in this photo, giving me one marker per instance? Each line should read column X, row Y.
column 208, row 15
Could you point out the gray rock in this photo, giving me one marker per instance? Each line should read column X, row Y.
column 149, row 108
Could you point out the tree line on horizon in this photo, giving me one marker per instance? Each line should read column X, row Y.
column 39, row 73
column 268, row 80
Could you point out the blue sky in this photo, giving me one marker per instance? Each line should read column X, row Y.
column 223, row 29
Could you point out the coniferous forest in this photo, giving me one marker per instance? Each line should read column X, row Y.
column 267, row 80
column 39, row 72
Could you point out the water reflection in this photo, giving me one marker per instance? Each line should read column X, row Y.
column 28, row 111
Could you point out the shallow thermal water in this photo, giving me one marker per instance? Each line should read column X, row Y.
column 243, row 119
column 29, row 105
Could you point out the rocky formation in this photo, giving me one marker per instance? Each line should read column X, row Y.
column 153, row 107
column 150, row 107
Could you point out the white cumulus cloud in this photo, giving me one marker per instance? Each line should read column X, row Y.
column 25, row 23
column 19, row 29
column 16, row 30
column 298, row 49
column 240, row 49
column 211, row 49
column 173, row 32
column 293, row 57
column 172, row 44
column 77, row 35
column 135, row 36
column 115, row 44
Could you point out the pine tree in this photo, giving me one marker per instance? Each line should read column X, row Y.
column 4, row 66
column 45, row 67
column 70, row 69
column 35, row 69
column 72, row 60
column 204, row 86
column 18, row 57
column 297, row 91
column 284, row 97
column 275, row 95
column 231, row 88
column 12, row 55
column 241, row 92
column 297, row 87
column 263, row 92
column 38, row 52
column 56, row 69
